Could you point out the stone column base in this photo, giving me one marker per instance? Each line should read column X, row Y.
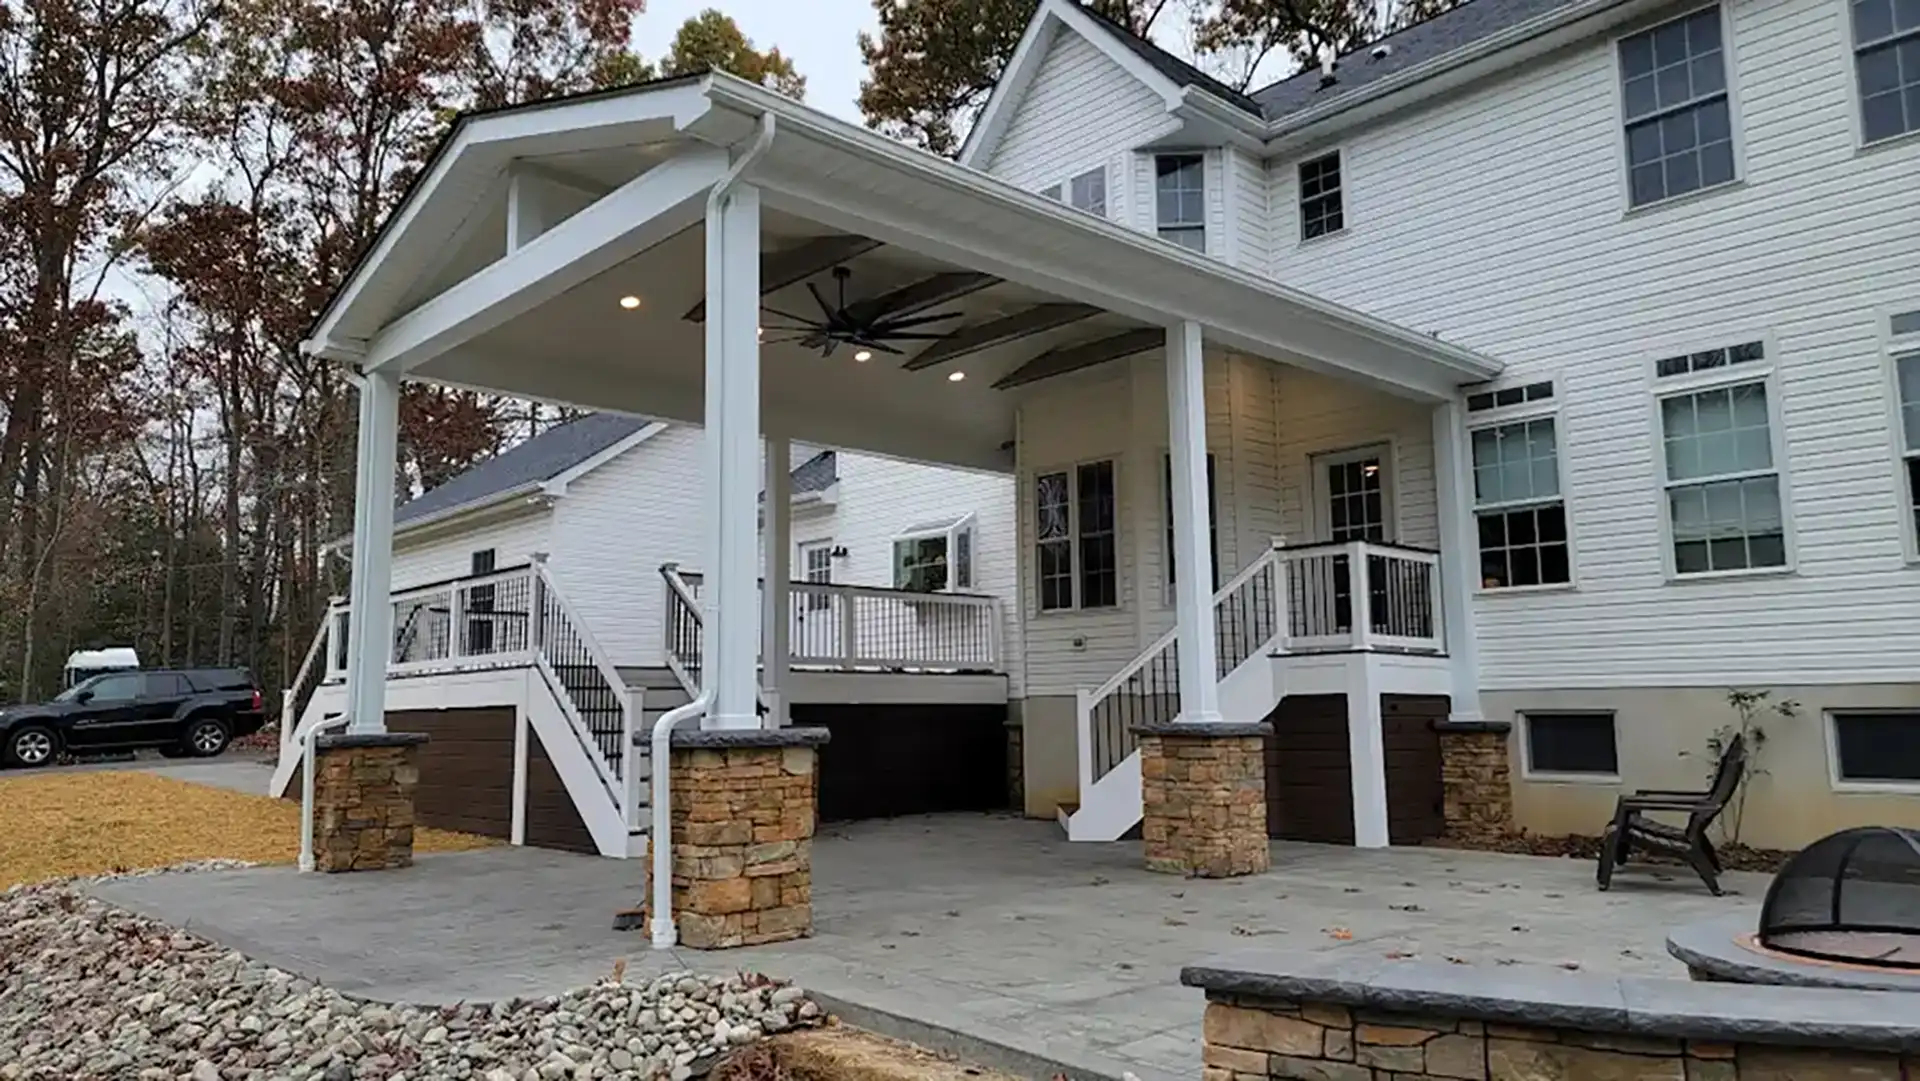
column 1477, row 781
column 363, row 801
column 1204, row 787
column 743, row 806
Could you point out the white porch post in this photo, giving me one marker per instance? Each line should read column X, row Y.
column 732, row 591
column 1459, row 545
column 1366, row 749
column 1193, row 592
column 370, row 620
column 777, row 612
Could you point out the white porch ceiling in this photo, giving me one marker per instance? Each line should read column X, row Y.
column 441, row 295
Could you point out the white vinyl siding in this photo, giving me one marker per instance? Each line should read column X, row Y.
column 512, row 537
column 1081, row 109
column 1554, row 280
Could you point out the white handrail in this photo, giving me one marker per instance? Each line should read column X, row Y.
column 587, row 641
column 1165, row 641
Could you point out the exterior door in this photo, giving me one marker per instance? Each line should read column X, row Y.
column 1354, row 492
column 816, row 621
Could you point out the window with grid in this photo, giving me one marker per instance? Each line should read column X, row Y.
column 1906, row 369
column 1076, row 549
column 1673, row 87
column 1876, row 747
column 1722, row 485
column 1321, row 210
column 1088, row 191
column 1213, row 520
column 1521, row 515
column 1886, row 54
column 1180, row 199
column 1572, row 743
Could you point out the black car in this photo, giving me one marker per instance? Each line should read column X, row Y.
column 180, row 712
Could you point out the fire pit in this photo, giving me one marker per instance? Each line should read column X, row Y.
column 1844, row 912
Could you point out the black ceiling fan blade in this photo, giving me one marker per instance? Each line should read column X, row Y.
column 868, row 343
column 787, row 340
column 810, row 327
column 910, row 336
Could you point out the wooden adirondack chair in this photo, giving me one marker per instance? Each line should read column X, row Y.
column 1632, row 830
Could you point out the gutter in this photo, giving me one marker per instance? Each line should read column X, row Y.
column 745, row 97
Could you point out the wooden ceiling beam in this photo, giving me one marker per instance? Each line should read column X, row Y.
column 779, row 269
column 921, row 295
column 1072, row 358
column 1009, row 328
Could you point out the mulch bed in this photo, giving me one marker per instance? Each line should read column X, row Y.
column 1736, row 857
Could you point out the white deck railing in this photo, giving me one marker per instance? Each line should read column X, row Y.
column 841, row 628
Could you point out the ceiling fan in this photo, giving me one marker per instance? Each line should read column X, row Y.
column 864, row 324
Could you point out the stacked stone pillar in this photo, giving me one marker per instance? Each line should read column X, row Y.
column 1205, row 793
column 363, row 801
column 1476, row 780
column 743, row 807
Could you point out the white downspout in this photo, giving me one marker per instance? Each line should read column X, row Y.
column 663, row 932
column 307, row 771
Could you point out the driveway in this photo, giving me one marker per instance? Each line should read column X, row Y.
column 995, row 928
column 239, row 770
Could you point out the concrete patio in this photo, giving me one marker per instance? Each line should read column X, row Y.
column 993, row 928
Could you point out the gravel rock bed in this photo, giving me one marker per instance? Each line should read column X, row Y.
column 91, row 991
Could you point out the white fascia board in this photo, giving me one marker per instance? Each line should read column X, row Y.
column 460, row 175
column 1508, row 48
column 1212, row 119
column 1049, row 18
column 557, row 484
column 1073, row 255
column 632, row 218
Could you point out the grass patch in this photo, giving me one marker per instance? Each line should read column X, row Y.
column 58, row 825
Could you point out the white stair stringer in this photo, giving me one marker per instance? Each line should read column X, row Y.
column 1113, row 805
column 599, row 810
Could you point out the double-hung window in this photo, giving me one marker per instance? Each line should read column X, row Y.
column 1519, row 511
column 1076, row 538
column 1673, row 92
column 1087, row 191
column 1722, row 479
column 1180, row 199
column 1905, row 337
column 1322, row 210
column 1886, row 55
column 934, row 557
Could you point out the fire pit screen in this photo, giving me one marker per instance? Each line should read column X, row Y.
column 1851, row 897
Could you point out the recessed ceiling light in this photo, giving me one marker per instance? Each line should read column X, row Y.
column 863, row 356
column 956, row 377
column 759, row 332
column 629, row 302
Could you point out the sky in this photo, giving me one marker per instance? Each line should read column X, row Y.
column 819, row 35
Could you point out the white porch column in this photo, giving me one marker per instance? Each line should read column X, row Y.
column 1193, row 584
column 732, row 593
column 1459, row 548
column 777, row 612
column 370, row 620
column 1366, row 750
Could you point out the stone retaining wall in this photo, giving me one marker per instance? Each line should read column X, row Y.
column 1300, row 1018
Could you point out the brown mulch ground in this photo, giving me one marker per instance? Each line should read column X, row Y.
column 58, row 825
column 840, row 1053
column 1735, row 857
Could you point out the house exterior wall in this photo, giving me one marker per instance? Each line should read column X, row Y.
column 614, row 528
column 443, row 556
column 1497, row 218
column 1080, row 110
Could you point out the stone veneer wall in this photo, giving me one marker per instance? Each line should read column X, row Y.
column 743, row 820
column 1476, row 777
column 1204, row 791
column 1525, row 1024
column 363, row 801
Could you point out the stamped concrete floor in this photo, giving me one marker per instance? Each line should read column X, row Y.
column 992, row 927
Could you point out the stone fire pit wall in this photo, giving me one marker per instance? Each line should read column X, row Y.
column 363, row 801
column 1341, row 1016
column 743, row 807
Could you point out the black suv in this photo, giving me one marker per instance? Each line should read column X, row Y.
column 180, row 712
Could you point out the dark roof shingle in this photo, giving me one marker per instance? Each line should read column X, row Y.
column 541, row 458
column 1171, row 66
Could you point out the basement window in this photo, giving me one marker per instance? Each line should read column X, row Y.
column 1572, row 744
column 1876, row 747
column 934, row 557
